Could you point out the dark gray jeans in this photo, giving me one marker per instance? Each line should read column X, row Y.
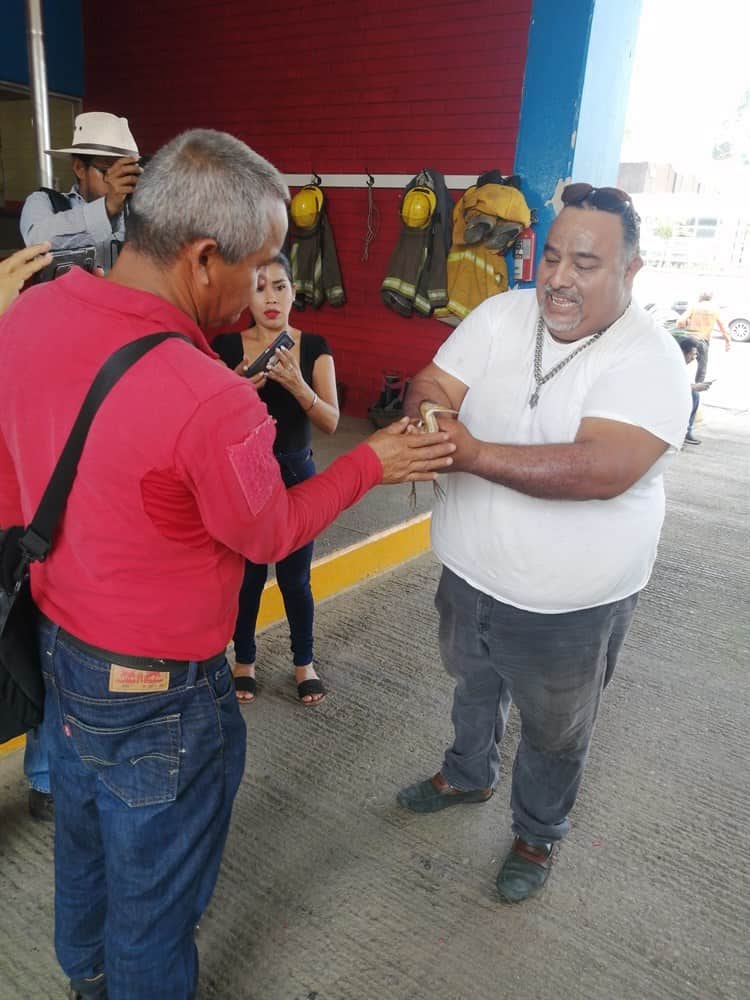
column 554, row 667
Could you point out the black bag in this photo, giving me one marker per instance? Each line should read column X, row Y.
column 21, row 684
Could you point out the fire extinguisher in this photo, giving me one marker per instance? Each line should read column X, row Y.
column 523, row 255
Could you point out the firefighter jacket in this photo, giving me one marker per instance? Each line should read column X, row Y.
column 315, row 266
column 486, row 220
column 415, row 281
column 416, row 272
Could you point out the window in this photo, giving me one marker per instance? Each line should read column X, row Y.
column 18, row 175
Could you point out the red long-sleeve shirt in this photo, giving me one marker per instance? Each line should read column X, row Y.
column 177, row 480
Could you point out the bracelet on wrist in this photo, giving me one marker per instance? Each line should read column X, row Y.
column 314, row 401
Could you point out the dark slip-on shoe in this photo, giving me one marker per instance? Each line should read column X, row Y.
column 524, row 871
column 435, row 793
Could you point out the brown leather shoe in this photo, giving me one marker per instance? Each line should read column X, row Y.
column 435, row 794
column 524, row 871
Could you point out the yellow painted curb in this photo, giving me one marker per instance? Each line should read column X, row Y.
column 347, row 567
column 15, row 744
column 334, row 573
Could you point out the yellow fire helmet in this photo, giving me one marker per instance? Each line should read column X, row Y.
column 418, row 207
column 306, row 206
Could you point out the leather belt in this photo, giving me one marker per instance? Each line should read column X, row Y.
column 136, row 662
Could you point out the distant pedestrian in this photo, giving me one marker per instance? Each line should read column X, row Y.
column 689, row 348
column 700, row 320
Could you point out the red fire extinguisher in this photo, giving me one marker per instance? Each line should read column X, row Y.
column 523, row 255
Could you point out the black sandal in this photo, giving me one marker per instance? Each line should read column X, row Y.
column 313, row 686
column 245, row 684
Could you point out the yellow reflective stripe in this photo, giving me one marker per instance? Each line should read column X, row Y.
column 457, row 308
column 397, row 285
column 456, row 256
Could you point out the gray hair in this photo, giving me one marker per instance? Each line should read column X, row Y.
column 204, row 184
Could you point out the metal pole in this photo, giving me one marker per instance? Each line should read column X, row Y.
column 38, row 83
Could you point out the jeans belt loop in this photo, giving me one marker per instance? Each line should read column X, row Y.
column 192, row 676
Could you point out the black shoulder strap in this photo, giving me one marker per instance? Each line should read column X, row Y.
column 59, row 202
column 38, row 538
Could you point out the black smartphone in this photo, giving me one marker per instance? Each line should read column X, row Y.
column 261, row 362
column 63, row 260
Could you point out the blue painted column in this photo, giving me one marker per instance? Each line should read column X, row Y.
column 575, row 94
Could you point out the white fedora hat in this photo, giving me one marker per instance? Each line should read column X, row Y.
column 99, row 132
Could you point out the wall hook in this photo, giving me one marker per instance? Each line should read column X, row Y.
column 370, row 178
column 316, row 179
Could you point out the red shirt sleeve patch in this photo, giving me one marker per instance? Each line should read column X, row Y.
column 255, row 465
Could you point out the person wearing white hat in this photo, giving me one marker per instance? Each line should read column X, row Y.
column 105, row 164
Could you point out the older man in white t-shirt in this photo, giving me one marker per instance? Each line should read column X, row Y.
column 571, row 402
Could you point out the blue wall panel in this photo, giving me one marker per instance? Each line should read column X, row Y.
column 63, row 40
column 574, row 98
column 614, row 31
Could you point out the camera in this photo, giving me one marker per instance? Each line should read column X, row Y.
column 64, row 260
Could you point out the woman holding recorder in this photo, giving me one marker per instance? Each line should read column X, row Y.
column 299, row 389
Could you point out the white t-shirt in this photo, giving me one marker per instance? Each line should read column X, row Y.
column 553, row 556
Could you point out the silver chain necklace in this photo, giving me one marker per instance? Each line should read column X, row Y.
column 541, row 379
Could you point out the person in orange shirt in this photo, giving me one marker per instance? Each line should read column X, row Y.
column 689, row 348
column 700, row 320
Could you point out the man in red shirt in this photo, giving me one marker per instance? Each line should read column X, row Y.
column 177, row 484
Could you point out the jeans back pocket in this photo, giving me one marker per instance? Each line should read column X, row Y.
column 140, row 764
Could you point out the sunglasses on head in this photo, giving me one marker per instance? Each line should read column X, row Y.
column 607, row 199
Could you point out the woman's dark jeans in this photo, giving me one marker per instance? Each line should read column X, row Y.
column 293, row 576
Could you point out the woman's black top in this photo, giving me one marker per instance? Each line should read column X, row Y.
column 293, row 430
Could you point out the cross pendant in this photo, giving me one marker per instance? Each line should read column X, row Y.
column 534, row 399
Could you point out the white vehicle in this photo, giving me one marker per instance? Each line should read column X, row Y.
column 739, row 327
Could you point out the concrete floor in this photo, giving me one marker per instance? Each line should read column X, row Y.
column 381, row 508
column 329, row 891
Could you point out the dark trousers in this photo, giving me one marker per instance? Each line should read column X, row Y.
column 703, row 346
column 293, row 576
column 144, row 784
column 554, row 667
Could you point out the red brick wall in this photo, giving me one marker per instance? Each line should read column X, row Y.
column 390, row 86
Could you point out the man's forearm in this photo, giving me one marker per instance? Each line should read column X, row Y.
column 550, row 471
column 424, row 387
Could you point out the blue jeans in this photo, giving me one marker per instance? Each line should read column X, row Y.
column 36, row 759
column 143, row 786
column 696, row 403
column 293, row 576
column 554, row 667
